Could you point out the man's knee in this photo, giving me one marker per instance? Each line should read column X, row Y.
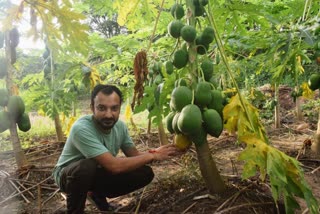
column 148, row 173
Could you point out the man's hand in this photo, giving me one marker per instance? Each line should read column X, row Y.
column 165, row 152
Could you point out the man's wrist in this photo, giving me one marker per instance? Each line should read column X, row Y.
column 152, row 152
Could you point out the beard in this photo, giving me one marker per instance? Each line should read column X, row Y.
column 106, row 123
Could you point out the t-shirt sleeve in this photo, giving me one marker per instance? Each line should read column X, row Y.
column 87, row 143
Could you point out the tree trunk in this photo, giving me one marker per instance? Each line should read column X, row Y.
column 149, row 127
column 209, row 170
column 20, row 157
column 298, row 109
column 277, row 108
column 316, row 145
column 162, row 134
column 59, row 132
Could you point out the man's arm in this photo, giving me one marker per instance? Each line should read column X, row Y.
column 135, row 159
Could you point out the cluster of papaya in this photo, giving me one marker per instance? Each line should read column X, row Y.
column 195, row 113
column 47, row 64
column 314, row 81
column 13, row 110
column 188, row 33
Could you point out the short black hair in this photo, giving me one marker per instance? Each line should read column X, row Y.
column 105, row 89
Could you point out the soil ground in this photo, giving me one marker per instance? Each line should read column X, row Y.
column 178, row 186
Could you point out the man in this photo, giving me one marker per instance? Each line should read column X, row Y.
column 88, row 164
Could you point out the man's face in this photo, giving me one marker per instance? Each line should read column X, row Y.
column 106, row 109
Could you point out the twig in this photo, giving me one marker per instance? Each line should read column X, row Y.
column 165, row 210
column 139, row 204
column 233, row 198
column 39, row 158
column 15, row 186
column 23, row 187
column 243, row 205
column 39, row 199
column 186, row 210
column 316, row 169
column 51, row 196
column 19, row 193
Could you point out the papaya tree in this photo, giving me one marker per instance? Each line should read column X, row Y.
column 286, row 176
column 69, row 30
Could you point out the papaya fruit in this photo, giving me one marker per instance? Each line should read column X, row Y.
column 199, row 138
column 207, row 35
column 212, row 122
column 158, row 79
column 202, row 94
column 177, row 11
column 169, row 67
column 3, row 67
column 24, row 122
column 169, row 119
column 182, row 142
column 180, row 82
column 4, row 97
column 202, row 47
column 156, row 67
column 190, row 119
column 175, row 123
column 4, row 121
column 199, row 10
column 15, row 107
column 207, row 69
column 180, row 97
column 180, row 58
column 14, row 37
column 174, row 28
column 314, row 81
column 188, row 33
column 217, row 101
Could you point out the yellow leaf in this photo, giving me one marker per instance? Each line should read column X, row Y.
column 124, row 11
column 306, row 91
column 69, row 125
column 128, row 112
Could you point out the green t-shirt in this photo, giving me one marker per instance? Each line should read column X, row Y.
column 86, row 141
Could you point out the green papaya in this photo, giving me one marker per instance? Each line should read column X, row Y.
column 175, row 123
column 169, row 120
column 158, row 79
column 207, row 35
column 212, row 122
column 188, row 33
column 202, row 47
column 180, row 82
column 314, row 81
column 217, row 101
column 198, row 138
column 180, row 97
column 15, row 107
column 202, row 94
column 180, row 58
column 157, row 93
column 174, row 28
column 169, row 67
column 4, row 121
column 207, row 69
column 190, row 119
column 177, row 11
column 24, row 123
column 4, row 97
